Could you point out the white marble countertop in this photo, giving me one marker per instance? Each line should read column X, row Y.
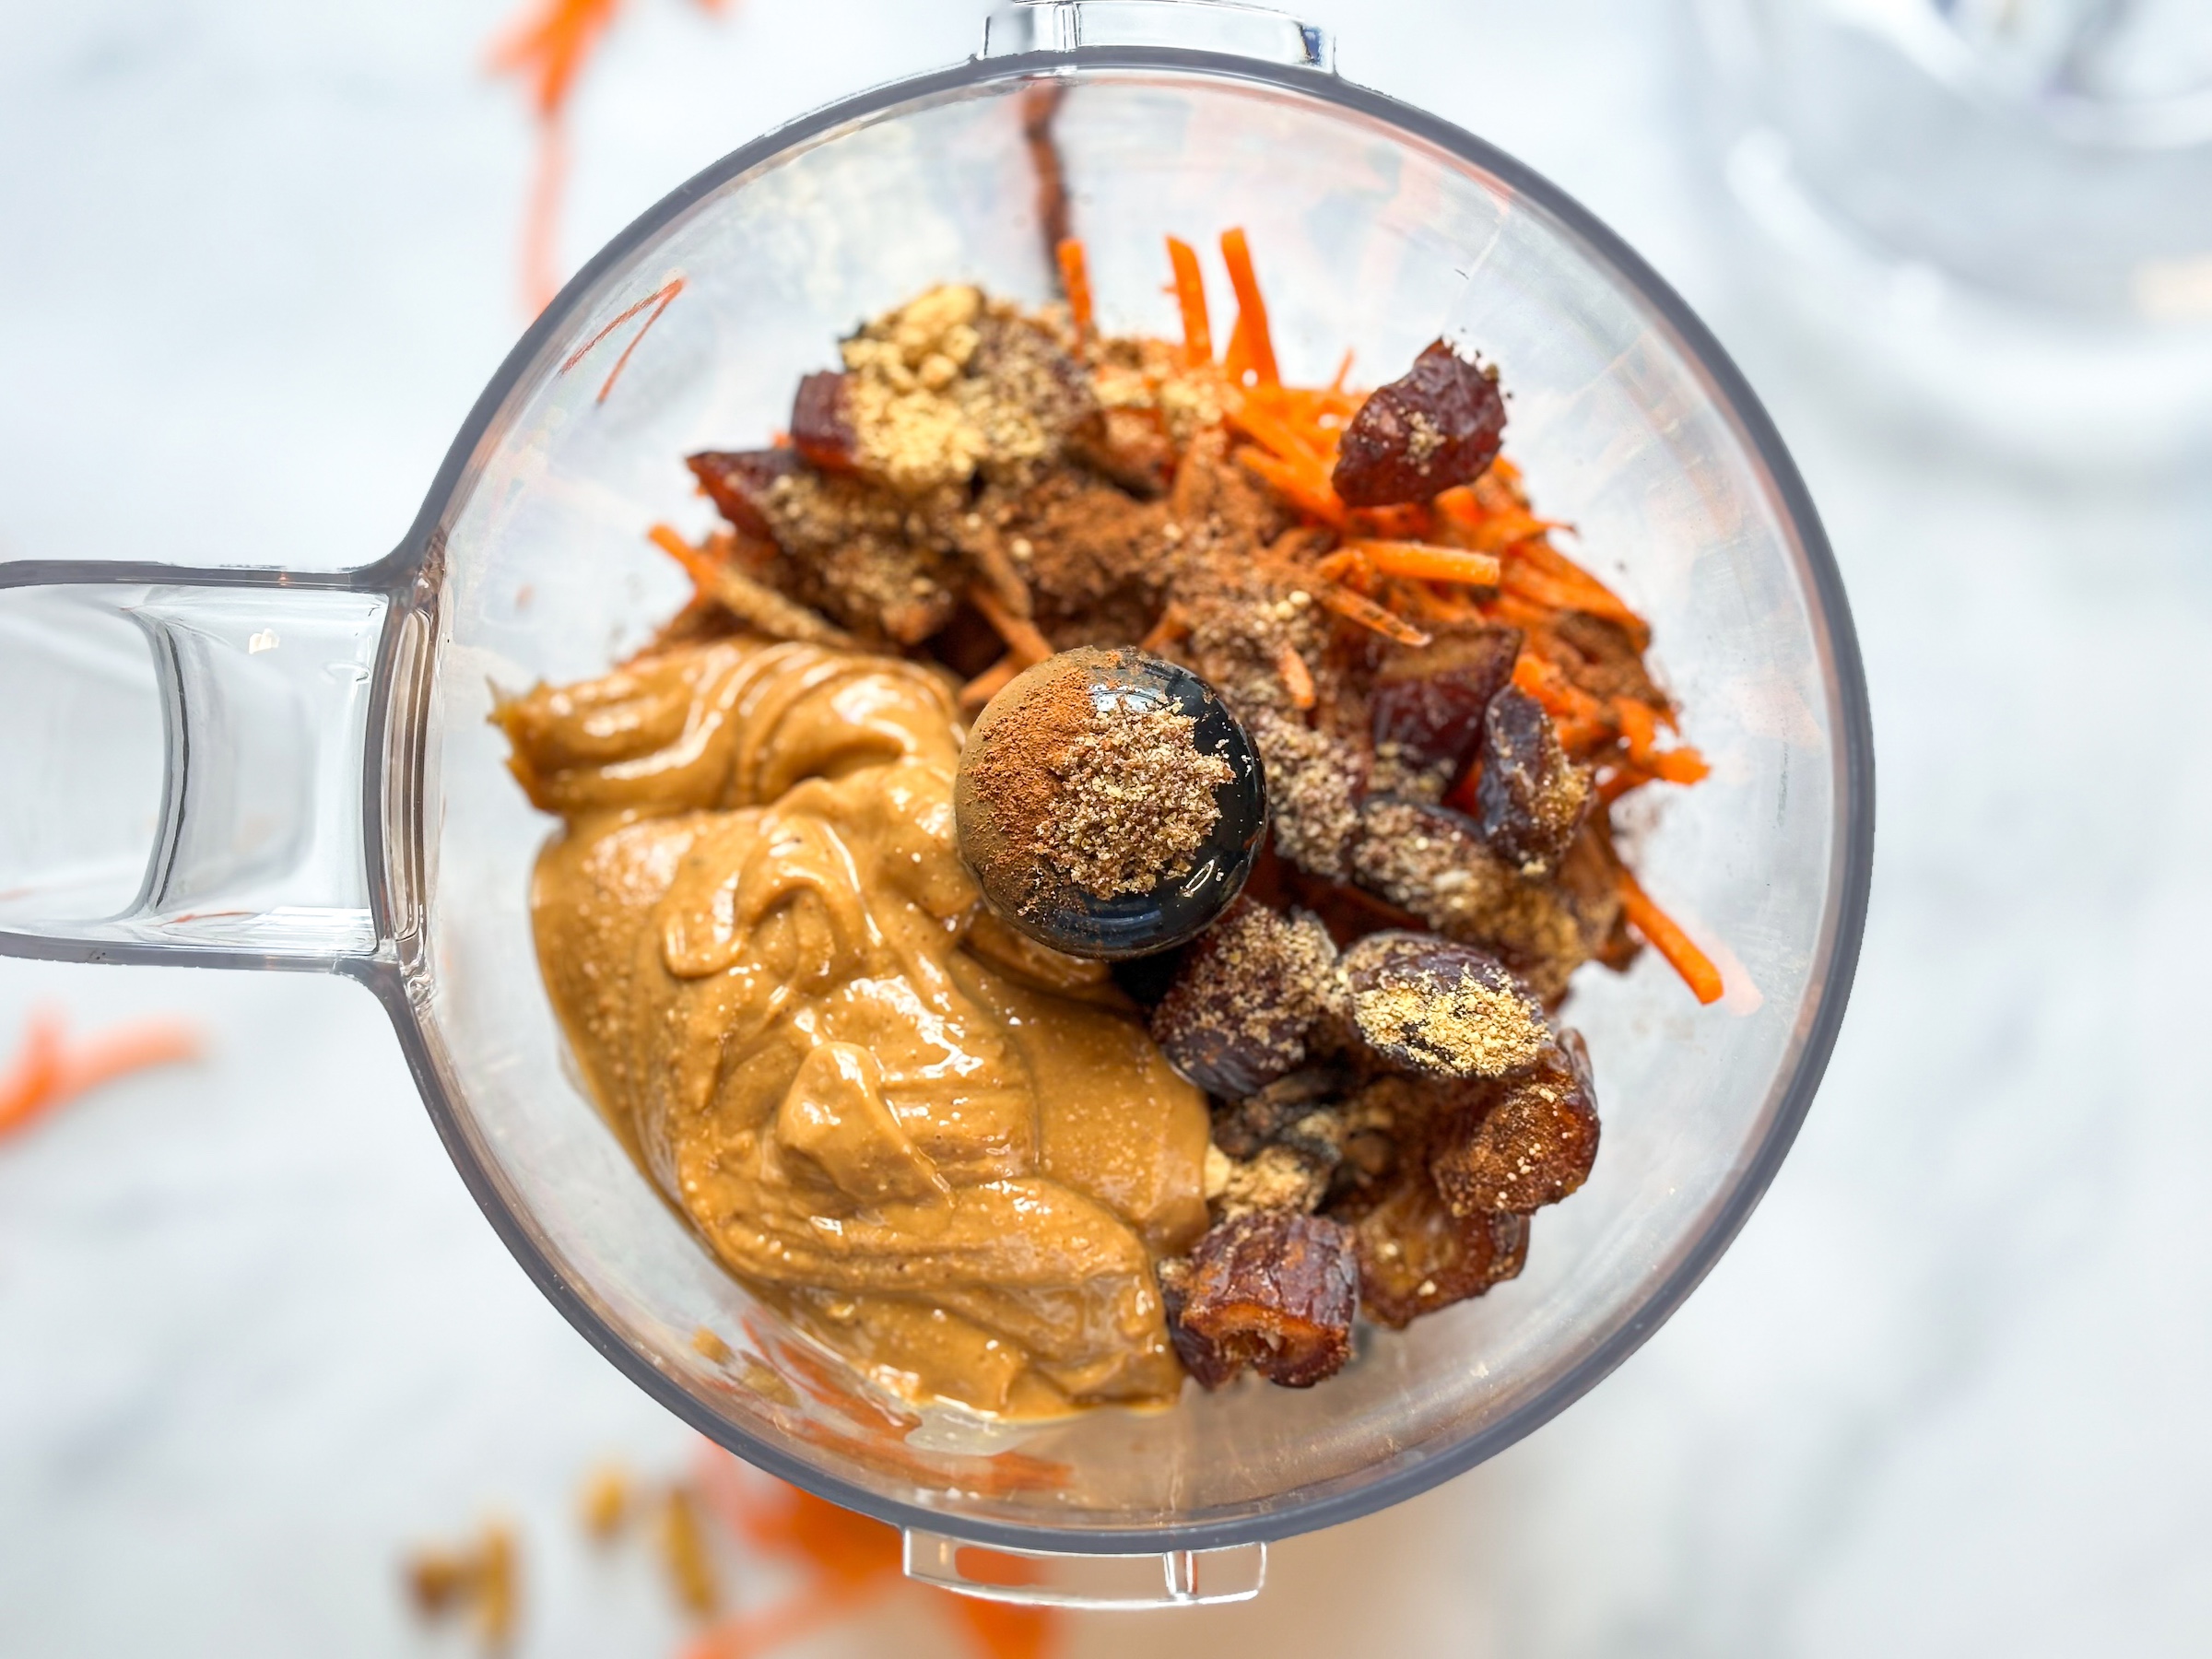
column 254, row 1336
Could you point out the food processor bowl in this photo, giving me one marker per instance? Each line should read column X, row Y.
column 309, row 759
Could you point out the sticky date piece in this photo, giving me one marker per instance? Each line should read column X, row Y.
column 1245, row 999
column 1532, row 1148
column 821, row 423
column 1417, row 1256
column 1271, row 1289
column 739, row 481
column 1531, row 797
column 1439, row 425
column 1435, row 1006
column 1429, row 704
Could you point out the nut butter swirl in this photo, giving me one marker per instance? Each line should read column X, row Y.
column 950, row 1155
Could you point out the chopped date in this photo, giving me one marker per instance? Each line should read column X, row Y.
column 1429, row 703
column 1436, row 1006
column 1346, row 911
column 1417, row 1256
column 1271, row 1289
column 1433, row 863
column 1533, row 1148
column 1438, row 426
column 1279, row 1114
column 1245, row 1000
column 1531, row 797
column 821, row 423
column 738, row 482
column 1210, row 1365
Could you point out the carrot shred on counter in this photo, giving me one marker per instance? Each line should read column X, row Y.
column 547, row 47
column 48, row 1070
column 1074, row 276
column 1190, row 297
column 1354, row 608
column 1296, row 483
column 1298, row 679
column 1661, row 932
column 1427, row 563
column 1252, row 310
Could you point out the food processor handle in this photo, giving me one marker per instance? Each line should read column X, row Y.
column 186, row 760
column 1231, row 30
column 1182, row 1578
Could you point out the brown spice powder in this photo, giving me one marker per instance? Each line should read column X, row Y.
column 1135, row 801
column 1466, row 1028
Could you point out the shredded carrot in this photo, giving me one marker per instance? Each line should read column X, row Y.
column 1561, row 696
column 1298, row 679
column 745, row 597
column 1620, row 780
column 1683, row 765
column 1019, row 633
column 1075, row 275
column 1426, row 564
column 1657, row 927
column 665, row 536
column 1236, row 361
column 1190, row 295
column 1344, row 367
column 1174, row 624
column 1252, row 310
column 1639, row 725
column 1485, row 529
column 49, row 1072
column 1348, row 565
column 1296, row 483
column 1430, row 602
column 990, row 682
column 1407, row 521
column 1537, row 571
column 1352, row 608
column 548, row 47
column 661, row 299
column 1256, row 420
column 1325, row 408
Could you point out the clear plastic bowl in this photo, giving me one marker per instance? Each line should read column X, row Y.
column 1374, row 226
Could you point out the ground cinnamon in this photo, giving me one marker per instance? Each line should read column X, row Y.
column 1110, row 796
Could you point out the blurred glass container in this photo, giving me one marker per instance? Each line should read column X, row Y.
column 2001, row 207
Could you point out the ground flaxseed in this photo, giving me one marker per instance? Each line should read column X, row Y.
column 1135, row 801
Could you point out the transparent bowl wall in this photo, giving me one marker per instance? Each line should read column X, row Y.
column 1374, row 229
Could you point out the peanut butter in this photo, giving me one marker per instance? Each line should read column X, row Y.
column 948, row 1153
